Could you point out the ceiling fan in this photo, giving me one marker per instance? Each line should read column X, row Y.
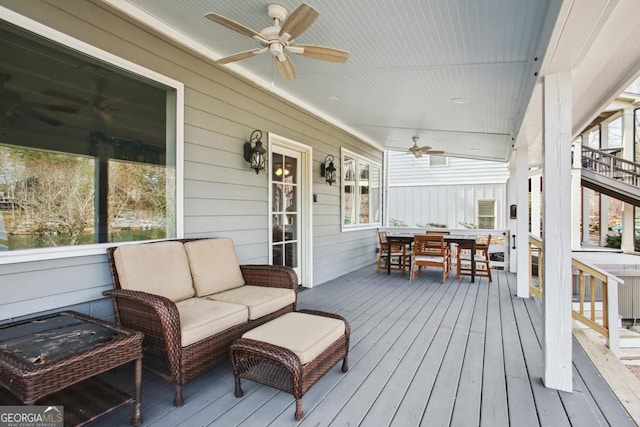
column 425, row 149
column 278, row 40
column 13, row 105
column 97, row 103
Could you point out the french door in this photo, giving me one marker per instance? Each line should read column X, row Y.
column 285, row 207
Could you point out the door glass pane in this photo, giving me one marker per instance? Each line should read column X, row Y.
column 278, row 227
column 290, row 198
column 276, row 167
column 290, row 169
column 291, row 254
column 348, row 204
column 290, row 227
column 277, row 255
column 277, row 198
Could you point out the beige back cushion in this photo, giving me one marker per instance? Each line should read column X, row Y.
column 159, row 268
column 214, row 266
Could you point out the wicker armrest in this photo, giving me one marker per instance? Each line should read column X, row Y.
column 273, row 276
column 156, row 309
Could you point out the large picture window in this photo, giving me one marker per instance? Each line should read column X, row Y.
column 87, row 149
column 361, row 191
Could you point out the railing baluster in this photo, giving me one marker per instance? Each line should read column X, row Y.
column 607, row 282
column 581, row 290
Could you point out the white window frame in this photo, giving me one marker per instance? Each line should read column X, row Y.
column 359, row 159
column 495, row 213
column 55, row 36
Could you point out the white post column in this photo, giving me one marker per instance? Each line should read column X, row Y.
column 556, row 344
column 628, row 226
column 522, row 223
column 512, row 223
column 604, row 199
column 536, row 190
column 576, row 197
column 586, row 221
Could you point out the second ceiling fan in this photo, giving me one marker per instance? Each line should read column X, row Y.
column 278, row 39
column 425, row 149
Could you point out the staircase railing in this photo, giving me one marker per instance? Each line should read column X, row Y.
column 608, row 164
column 584, row 297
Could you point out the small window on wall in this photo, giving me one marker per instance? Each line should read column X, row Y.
column 487, row 214
column 361, row 188
column 440, row 161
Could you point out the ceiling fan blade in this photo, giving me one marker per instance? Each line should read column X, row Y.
column 235, row 26
column 65, row 96
column 417, row 154
column 430, row 152
column 299, row 21
column 323, row 53
column 39, row 116
column 242, row 55
column 59, row 108
column 285, row 68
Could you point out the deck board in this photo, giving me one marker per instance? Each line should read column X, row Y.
column 421, row 353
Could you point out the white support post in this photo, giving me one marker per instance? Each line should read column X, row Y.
column 536, row 219
column 512, row 223
column 628, row 222
column 612, row 311
column 604, row 199
column 556, row 272
column 586, row 220
column 576, row 197
column 522, row 222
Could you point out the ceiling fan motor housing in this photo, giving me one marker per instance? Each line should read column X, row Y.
column 275, row 11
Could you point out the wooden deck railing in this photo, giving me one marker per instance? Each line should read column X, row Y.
column 601, row 294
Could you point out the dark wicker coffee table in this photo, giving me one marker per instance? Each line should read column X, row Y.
column 57, row 356
column 281, row 367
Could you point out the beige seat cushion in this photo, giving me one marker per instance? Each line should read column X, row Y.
column 426, row 258
column 304, row 334
column 260, row 300
column 159, row 268
column 200, row 318
column 214, row 266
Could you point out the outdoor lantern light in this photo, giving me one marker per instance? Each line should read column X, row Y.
column 256, row 155
column 327, row 170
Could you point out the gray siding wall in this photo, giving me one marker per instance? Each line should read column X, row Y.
column 221, row 196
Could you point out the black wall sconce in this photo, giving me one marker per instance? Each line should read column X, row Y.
column 327, row 170
column 256, row 155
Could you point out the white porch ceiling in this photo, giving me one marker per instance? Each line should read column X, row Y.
column 409, row 59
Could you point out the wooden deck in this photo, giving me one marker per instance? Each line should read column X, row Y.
column 422, row 353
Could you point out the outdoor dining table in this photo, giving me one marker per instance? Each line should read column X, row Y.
column 407, row 239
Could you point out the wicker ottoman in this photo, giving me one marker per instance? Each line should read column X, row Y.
column 291, row 352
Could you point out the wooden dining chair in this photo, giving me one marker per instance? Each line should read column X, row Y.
column 430, row 251
column 400, row 254
column 442, row 233
column 463, row 259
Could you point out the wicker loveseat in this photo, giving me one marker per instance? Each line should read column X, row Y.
column 192, row 299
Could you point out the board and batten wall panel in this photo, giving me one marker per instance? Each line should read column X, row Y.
column 222, row 197
column 451, row 205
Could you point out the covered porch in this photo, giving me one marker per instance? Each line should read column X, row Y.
column 421, row 353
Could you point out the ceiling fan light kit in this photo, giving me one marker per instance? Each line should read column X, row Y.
column 278, row 40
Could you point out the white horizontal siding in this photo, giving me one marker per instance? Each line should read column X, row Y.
column 405, row 169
